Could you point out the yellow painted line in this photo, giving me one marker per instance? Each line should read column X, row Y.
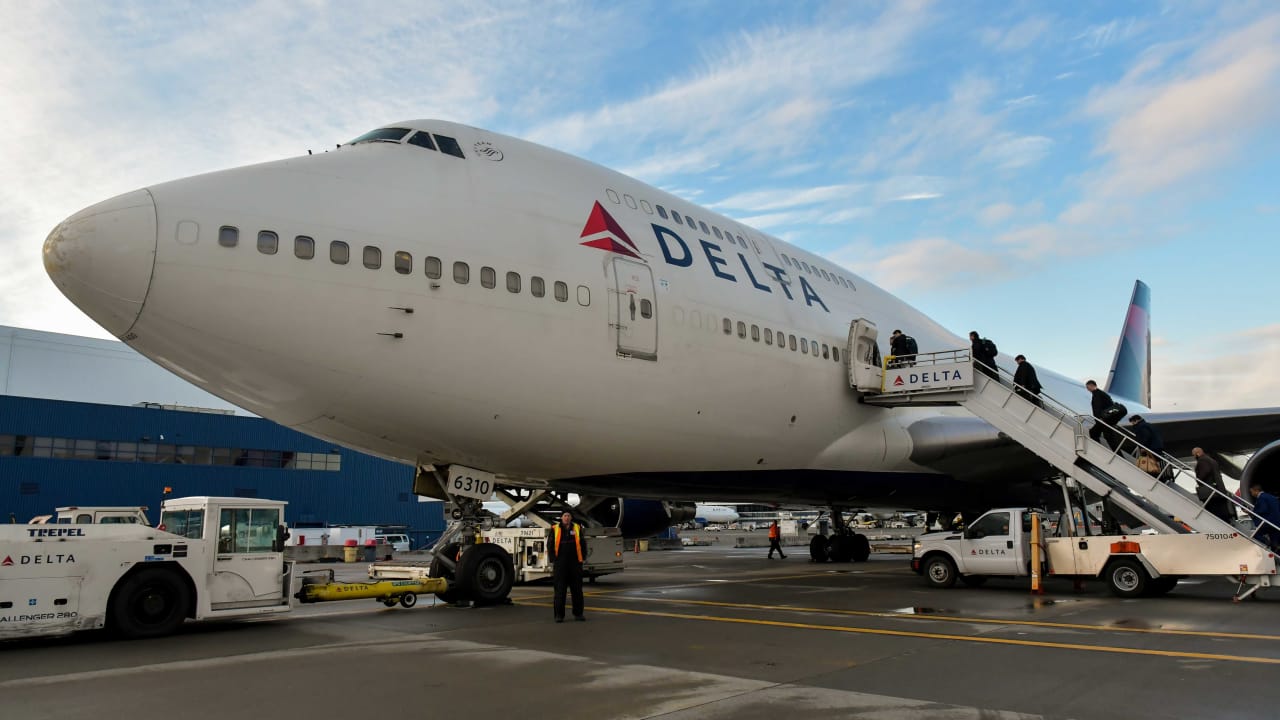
column 941, row 636
column 952, row 618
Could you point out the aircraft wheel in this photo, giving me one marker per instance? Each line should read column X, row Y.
column 818, row 549
column 1127, row 578
column 438, row 570
column 861, row 548
column 486, row 573
column 840, row 549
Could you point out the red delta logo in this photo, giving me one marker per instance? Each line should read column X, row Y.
column 7, row 561
column 612, row 237
column 898, row 381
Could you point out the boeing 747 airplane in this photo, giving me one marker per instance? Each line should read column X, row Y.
column 448, row 296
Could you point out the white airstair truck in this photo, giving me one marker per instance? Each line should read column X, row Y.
column 1171, row 532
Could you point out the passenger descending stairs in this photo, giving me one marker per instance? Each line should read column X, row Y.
column 1058, row 435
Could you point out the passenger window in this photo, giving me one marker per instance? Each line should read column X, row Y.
column 449, row 146
column 646, row 207
column 372, row 257
column 786, row 259
column 461, row 273
column 646, row 309
column 742, row 242
column 268, row 242
column 792, row 341
column 705, row 229
column 755, row 333
column 513, row 282
column 537, row 286
column 422, row 140
column 562, row 292
column 433, row 267
column 742, row 329
column 716, row 231
column 768, row 336
column 339, row 253
column 805, row 265
column 404, row 262
column 228, row 236
column 676, row 216
column 825, row 350
column 304, row 248
column 613, row 196
column 631, row 202
column 488, row 277
column 804, row 345
column 662, row 212
column 825, row 276
column 728, row 326
column 813, row 347
column 584, row 295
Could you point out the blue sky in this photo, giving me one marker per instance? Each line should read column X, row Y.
column 1010, row 167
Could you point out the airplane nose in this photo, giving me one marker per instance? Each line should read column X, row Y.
column 101, row 258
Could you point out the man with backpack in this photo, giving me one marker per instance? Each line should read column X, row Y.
column 984, row 355
column 903, row 348
column 1107, row 412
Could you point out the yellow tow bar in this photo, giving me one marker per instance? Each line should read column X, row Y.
column 388, row 592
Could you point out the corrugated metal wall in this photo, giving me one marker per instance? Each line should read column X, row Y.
column 366, row 491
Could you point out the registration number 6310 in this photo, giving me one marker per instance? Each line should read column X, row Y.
column 471, row 483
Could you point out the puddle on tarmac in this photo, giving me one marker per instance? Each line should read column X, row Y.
column 1136, row 624
column 1039, row 603
column 922, row 611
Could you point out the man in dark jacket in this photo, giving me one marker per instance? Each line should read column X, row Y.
column 568, row 549
column 1028, row 385
column 1148, row 437
column 1265, row 506
column 1100, row 402
column 900, row 347
column 1210, row 476
column 984, row 360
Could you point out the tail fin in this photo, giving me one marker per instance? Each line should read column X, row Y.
column 1130, row 376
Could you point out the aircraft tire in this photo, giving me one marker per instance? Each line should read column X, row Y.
column 437, row 570
column 861, row 548
column 818, row 549
column 486, row 573
column 840, row 548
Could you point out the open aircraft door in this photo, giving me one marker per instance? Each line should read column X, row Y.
column 865, row 371
column 634, row 311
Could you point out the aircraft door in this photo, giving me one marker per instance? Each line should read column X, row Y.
column 248, row 570
column 634, row 311
column 865, row 371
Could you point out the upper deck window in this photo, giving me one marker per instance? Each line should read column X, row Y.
column 423, row 140
column 394, row 135
column 372, row 257
column 228, row 236
column 449, row 146
column 268, row 242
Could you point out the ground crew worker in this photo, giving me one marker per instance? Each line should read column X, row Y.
column 568, row 548
column 775, row 540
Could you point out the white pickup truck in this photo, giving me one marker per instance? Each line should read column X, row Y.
column 999, row 544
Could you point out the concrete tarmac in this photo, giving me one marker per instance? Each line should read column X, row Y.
column 704, row 632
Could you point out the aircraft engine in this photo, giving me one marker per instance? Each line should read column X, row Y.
column 641, row 518
column 1264, row 466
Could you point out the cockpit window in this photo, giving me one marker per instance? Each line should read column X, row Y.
column 381, row 135
column 449, row 146
column 422, row 139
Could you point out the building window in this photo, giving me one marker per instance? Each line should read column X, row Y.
column 228, row 236
column 433, row 267
column 537, row 286
column 513, row 282
column 461, row 273
column 646, row 309
column 268, row 242
column 304, row 248
column 728, row 326
column 584, row 295
column 562, row 292
column 372, row 257
column 404, row 262
column 488, row 277
column 339, row 253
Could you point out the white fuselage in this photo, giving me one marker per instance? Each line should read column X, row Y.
column 432, row 370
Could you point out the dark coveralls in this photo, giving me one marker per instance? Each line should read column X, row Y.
column 567, row 552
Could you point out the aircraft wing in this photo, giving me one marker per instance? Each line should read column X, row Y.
column 1236, row 432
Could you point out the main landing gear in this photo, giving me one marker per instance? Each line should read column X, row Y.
column 843, row 545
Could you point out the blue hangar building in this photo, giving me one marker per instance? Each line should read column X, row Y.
column 90, row 422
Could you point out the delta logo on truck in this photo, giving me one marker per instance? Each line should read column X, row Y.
column 52, row 559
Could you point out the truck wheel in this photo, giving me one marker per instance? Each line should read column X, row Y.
column 1127, row 578
column 818, row 549
column 437, row 570
column 408, row 600
column 840, row 549
column 940, row 571
column 389, row 602
column 861, row 548
column 150, row 603
column 1161, row 585
column 973, row 580
column 486, row 573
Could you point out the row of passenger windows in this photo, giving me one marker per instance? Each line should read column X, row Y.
column 304, row 247
column 785, row 340
column 727, row 236
column 146, row 452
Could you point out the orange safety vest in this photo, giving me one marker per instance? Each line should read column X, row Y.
column 775, row 532
column 577, row 536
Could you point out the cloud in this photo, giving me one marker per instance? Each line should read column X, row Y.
column 996, row 213
column 778, row 198
column 934, row 262
column 1017, row 37
column 1200, row 383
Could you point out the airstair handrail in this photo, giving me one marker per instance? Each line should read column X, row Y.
column 1169, row 461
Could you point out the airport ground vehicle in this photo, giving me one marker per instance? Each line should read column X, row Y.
column 101, row 515
column 999, row 544
column 210, row 558
column 527, row 547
